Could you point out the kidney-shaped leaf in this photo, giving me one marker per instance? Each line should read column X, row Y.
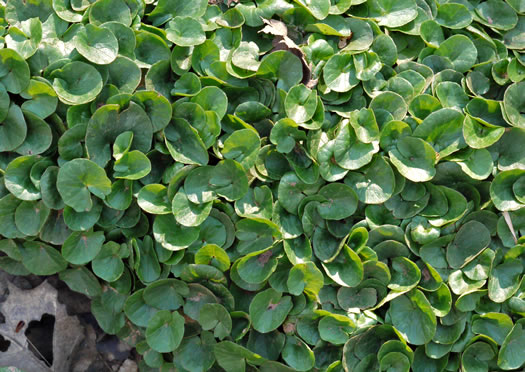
column 414, row 159
column 77, row 83
column 269, row 309
column 165, row 331
column 413, row 317
column 78, row 179
column 97, row 44
column 471, row 239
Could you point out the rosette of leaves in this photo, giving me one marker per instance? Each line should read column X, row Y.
column 274, row 185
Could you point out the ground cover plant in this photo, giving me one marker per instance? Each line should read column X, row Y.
column 273, row 185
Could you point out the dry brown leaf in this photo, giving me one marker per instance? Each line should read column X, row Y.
column 89, row 352
column 128, row 366
column 24, row 306
column 274, row 27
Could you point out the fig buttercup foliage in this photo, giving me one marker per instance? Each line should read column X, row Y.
column 273, row 185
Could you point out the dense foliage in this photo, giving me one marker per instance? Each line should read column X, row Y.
column 273, row 185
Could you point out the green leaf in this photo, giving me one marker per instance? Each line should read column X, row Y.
column 41, row 259
column 365, row 125
column 471, row 239
column 339, row 73
column 501, row 191
column 229, row 180
column 405, row 274
column 214, row 255
column 81, row 280
column 82, row 247
column 346, row 269
column 30, row 216
column 25, row 38
column 332, row 25
column 348, row 153
column 297, row 354
column 478, row 135
column 497, row 14
column 166, row 294
column 413, row 318
column 232, row 18
column 17, row 178
column 97, row 44
column 305, row 277
column 367, row 64
column 14, row 71
column 13, row 129
column 188, row 213
column 477, row 356
column 100, row 135
column 269, row 309
column 488, row 112
column 153, row 199
column 335, row 329
column 257, row 202
column 195, row 354
column 185, row 31
column 431, row 32
column 39, row 136
column 478, row 165
column 184, row 143
column 443, row 130
column 124, row 74
column 494, row 325
column 256, row 267
column 133, row 165
column 233, row 357
column 391, row 102
column 108, row 264
column 78, row 179
column 460, row 50
column 392, row 13
column 457, row 206
column 340, row 202
column 512, row 38
column 300, row 103
column 452, row 95
column 137, row 311
column 156, row 106
column 215, row 316
column 171, row 235
column 107, row 309
column 513, row 103
column 376, row 184
column 242, row 146
column 150, row 49
column 212, row 99
column 395, row 361
column 188, row 85
column 318, row 8
column 414, row 159
column 110, row 11
column 77, row 83
column 165, row 331
column 510, row 355
column 453, row 15
column 284, row 66
column 504, row 280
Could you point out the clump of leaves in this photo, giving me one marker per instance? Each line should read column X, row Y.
column 273, row 185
